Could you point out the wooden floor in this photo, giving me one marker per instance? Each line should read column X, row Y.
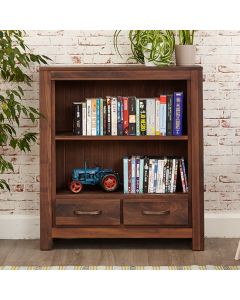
column 118, row 252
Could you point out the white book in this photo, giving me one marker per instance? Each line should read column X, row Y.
column 157, row 116
column 137, row 118
column 158, row 188
column 162, row 190
column 94, row 117
column 150, row 108
column 84, row 119
column 151, row 176
column 114, row 116
column 164, row 175
column 172, row 178
column 89, row 116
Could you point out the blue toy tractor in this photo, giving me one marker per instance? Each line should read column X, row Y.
column 106, row 178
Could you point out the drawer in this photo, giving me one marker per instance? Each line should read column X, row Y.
column 87, row 212
column 155, row 211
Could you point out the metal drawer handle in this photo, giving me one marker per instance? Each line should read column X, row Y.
column 92, row 213
column 152, row 212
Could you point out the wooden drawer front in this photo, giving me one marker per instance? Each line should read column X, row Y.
column 155, row 212
column 88, row 212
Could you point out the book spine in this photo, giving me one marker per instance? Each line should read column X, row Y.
column 155, row 176
column 114, row 116
column 84, row 119
column 137, row 118
column 182, row 177
column 184, row 174
column 129, row 175
column 169, row 114
column 157, row 116
column 77, row 118
column 104, row 117
column 158, row 176
column 141, row 175
column 137, row 174
column 177, row 113
column 132, row 116
column 119, row 116
column 133, row 186
column 170, row 175
column 101, row 116
column 150, row 116
column 151, row 176
column 163, row 114
column 175, row 176
column 89, row 117
column 108, row 116
column 98, row 116
column 143, row 116
column 122, row 125
column 125, row 175
column 94, row 117
column 145, row 175
column 164, row 175
column 125, row 116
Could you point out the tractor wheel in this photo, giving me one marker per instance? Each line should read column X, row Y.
column 76, row 186
column 109, row 182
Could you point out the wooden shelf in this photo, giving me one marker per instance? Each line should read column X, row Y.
column 71, row 137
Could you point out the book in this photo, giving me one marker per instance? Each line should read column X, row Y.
column 169, row 114
column 164, row 175
column 184, row 174
column 163, row 110
column 125, row 175
column 125, row 116
column 119, row 116
column 175, row 176
column 84, row 119
column 141, row 175
column 132, row 116
column 137, row 174
column 94, row 117
column 137, row 118
column 101, row 116
column 150, row 109
column 157, row 116
column 104, row 116
column 133, row 185
column 77, row 118
column 89, row 116
column 143, row 116
column 98, row 116
column 145, row 174
column 151, row 176
column 113, row 116
column 155, row 171
column 129, row 175
column 177, row 113
column 108, row 116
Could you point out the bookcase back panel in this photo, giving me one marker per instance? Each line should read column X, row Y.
column 109, row 154
column 77, row 91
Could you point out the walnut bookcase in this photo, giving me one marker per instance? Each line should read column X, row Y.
column 120, row 215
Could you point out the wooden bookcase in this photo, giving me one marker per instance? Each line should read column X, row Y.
column 121, row 214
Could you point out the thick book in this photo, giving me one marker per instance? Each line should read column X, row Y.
column 98, row 115
column 145, row 174
column 104, row 117
column 132, row 116
column 133, row 185
column 101, row 116
column 125, row 116
column 177, row 113
column 94, row 117
column 163, row 114
column 150, row 108
column 84, row 118
column 77, row 118
column 89, row 116
column 137, row 173
column 108, row 116
column 157, row 117
column 169, row 114
column 137, row 118
column 125, row 175
column 143, row 116
column 119, row 116
column 141, row 171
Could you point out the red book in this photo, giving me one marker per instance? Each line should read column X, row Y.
column 125, row 116
column 129, row 175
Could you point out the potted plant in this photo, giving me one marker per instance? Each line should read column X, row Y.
column 185, row 51
column 152, row 47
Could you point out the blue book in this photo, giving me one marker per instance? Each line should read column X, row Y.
column 119, row 116
column 133, row 183
column 177, row 113
column 98, row 116
column 125, row 175
column 141, row 175
column 155, row 170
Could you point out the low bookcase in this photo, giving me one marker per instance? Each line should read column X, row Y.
column 120, row 215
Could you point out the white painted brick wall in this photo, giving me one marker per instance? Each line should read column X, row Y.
column 219, row 54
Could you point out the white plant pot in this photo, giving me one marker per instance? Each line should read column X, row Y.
column 185, row 55
column 147, row 55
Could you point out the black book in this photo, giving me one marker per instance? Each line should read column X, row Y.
column 109, row 116
column 169, row 114
column 142, row 116
column 119, row 116
column 132, row 115
column 104, row 117
column 145, row 174
column 77, row 118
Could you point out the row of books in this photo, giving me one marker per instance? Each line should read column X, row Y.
column 153, row 175
column 129, row 116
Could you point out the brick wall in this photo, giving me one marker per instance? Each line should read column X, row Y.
column 219, row 54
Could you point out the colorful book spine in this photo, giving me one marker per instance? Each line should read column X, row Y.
column 94, row 117
column 175, row 176
column 108, row 116
column 119, row 116
column 98, row 115
column 104, row 117
column 145, row 174
column 133, row 185
column 166, row 176
column 151, row 176
column 77, row 118
column 125, row 175
column 163, row 111
column 132, row 116
column 114, row 116
column 89, row 116
column 169, row 114
column 150, row 108
column 155, row 171
column 125, row 116
column 84, row 119
column 137, row 118
column 157, row 116
column 129, row 175
column 101, row 116
column 184, row 174
column 177, row 113
column 141, row 175
column 137, row 174
column 143, row 116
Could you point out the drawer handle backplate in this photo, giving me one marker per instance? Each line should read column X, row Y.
column 152, row 212
column 91, row 213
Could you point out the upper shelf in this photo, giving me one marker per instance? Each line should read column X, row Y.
column 70, row 137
